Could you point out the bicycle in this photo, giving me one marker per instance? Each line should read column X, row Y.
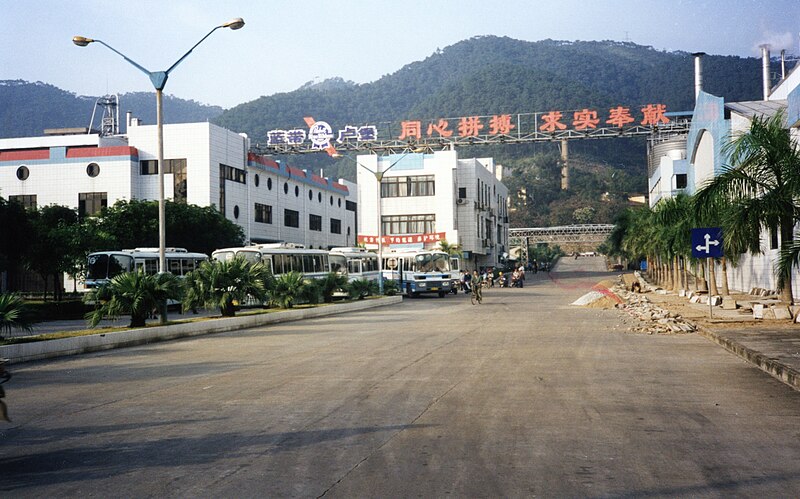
column 476, row 294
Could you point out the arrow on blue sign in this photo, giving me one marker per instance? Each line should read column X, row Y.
column 707, row 242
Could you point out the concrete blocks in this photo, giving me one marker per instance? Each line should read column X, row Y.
column 758, row 311
column 728, row 303
column 781, row 312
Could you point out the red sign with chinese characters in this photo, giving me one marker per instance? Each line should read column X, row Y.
column 434, row 237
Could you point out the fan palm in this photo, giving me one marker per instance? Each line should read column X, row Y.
column 760, row 189
column 135, row 293
column 12, row 314
column 223, row 285
column 288, row 289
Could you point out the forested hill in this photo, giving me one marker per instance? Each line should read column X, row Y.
column 26, row 109
column 492, row 75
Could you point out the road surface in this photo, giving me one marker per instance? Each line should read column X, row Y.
column 524, row 395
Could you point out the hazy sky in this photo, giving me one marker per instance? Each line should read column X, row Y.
column 287, row 43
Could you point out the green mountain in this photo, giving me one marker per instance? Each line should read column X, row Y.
column 481, row 76
column 492, row 75
column 26, row 109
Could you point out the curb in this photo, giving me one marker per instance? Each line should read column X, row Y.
column 25, row 352
column 774, row 368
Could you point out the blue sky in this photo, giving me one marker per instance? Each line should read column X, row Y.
column 287, row 43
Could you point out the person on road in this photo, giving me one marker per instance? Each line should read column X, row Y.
column 477, row 283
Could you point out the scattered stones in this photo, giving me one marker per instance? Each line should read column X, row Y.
column 649, row 318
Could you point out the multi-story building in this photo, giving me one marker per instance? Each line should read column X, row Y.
column 425, row 198
column 204, row 165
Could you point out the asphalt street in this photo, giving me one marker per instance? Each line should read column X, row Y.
column 524, row 395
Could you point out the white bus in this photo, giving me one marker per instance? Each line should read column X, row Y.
column 361, row 264
column 105, row 265
column 282, row 258
column 419, row 271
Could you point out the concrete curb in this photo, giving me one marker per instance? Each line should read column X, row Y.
column 24, row 352
column 774, row 368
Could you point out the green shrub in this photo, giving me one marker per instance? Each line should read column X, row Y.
column 134, row 293
column 360, row 288
column 390, row 288
column 226, row 285
column 13, row 314
column 288, row 289
column 331, row 283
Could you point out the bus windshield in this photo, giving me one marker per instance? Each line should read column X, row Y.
column 433, row 262
column 103, row 266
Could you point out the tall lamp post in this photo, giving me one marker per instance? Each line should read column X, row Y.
column 159, row 81
column 378, row 174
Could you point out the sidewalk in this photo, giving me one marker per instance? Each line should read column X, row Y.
column 770, row 344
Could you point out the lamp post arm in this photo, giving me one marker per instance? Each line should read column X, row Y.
column 131, row 61
column 191, row 49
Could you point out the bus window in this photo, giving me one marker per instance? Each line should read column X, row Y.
column 249, row 256
column 267, row 261
column 455, row 264
column 118, row 264
column 174, row 266
column 338, row 264
column 223, row 256
column 149, row 265
column 308, row 264
column 372, row 264
column 297, row 262
column 98, row 267
column 354, row 266
column 187, row 265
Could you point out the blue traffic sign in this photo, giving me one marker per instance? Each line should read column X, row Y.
column 707, row 243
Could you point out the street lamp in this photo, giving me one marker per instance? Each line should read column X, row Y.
column 159, row 80
column 378, row 174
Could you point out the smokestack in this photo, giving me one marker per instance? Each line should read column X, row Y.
column 698, row 73
column 783, row 64
column 765, row 69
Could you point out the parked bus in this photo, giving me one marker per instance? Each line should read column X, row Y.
column 282, row 258
column 455, row 273
column 105, row 265
column 361, row 264
column 419, row 271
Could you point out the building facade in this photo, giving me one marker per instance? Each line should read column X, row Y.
column 425, row 198
column 205, row 165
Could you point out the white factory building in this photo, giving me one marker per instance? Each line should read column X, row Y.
column 428, row 197
column 205, row 165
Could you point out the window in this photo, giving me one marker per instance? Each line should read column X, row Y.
column 236, row 211
column 331, row 200
column 680, row 181
column 269, row 183
column 291, row 218
column 310, row 195
column 233, row 174
column 28, row 201
column 23, row 173
column 256, row 180
column 296, row 191
column 93, row 170
column 462, row 193
column 408, row 224
column 150, row 166
column 336, row 226
column 319, row 197
column 420, row 185
column 263, row 213
column 315, row 222
column 350, row 205
column 90, row 203
column 773, row 238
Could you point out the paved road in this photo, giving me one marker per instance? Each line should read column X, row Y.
column 521, row 396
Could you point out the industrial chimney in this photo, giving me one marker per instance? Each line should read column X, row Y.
column 698, row 73
column 765, row 69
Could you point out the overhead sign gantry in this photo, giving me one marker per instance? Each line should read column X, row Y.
column 444, row 133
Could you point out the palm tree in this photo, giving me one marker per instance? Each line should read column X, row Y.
column 361, row 288
column 135, row 293
column 761, row 189
column 450, row 249
column 12, row 314
column 675, row 219
column 288, row 289
column 330, row 284
column 225, row 285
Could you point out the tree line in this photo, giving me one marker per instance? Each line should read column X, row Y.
column 758, row 192
column 53, row 240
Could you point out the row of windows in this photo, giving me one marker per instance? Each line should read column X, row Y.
column 92, row 170
column 28, row 201
column 408, row 224
column 419, row 185
column 257, row 182
column 233, row 174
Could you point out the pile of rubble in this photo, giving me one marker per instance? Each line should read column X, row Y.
column 649, row 318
